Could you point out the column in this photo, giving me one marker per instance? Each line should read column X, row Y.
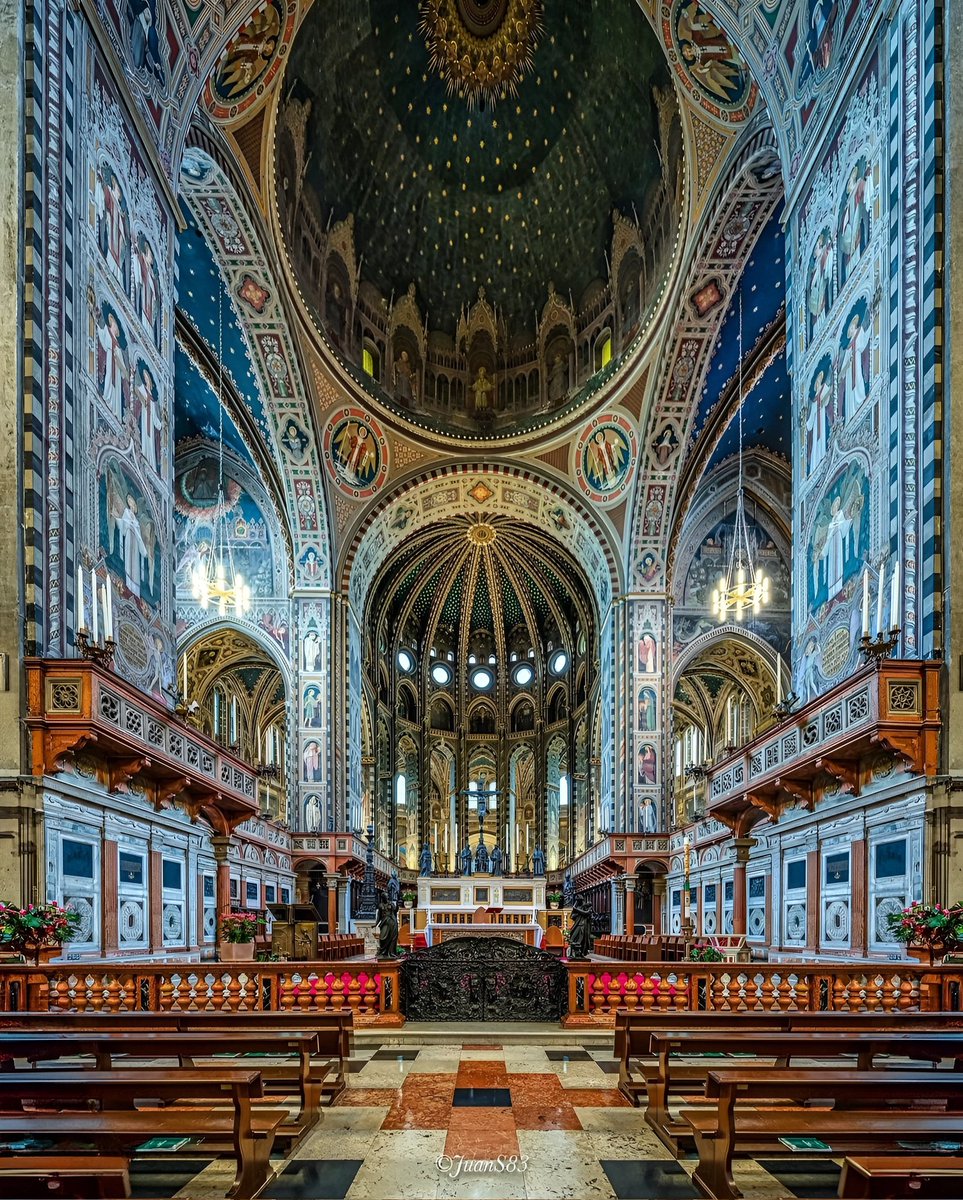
column 741, row 848
column 344, row 904
column 222, row 889
column 109, row 866
column 614, row 914
column 155, row 903
column 332, row 904
column 812, row 900
column 629, row 906
column 658, row 905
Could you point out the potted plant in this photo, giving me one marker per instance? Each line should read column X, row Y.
column 554, row 899
column 704, row 952
column 408, row 899
column 927, row 930
column 38, row 931
column 238, row 931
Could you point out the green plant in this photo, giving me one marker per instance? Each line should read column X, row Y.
column 240, row 926
column 704, row 952
column 408, row 897
column 37, row 927
column 555, row 897
column 927, row 925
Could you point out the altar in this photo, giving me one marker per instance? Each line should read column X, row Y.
column 480, row 906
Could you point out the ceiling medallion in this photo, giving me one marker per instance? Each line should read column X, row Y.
column 481, row 492
column 481, row 534
column 481, row 48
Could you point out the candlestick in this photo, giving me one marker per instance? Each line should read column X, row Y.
column 865, row 602
column 93, row 598
column 879, row 600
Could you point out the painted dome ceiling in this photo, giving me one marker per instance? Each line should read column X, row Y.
column 437, row 227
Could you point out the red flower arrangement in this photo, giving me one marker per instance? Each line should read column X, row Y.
column 928, row 925
column 240, row 927
column 37, row 927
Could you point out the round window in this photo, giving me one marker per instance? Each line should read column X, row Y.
column 559, row 663
column 482, row 679
column 524, row 675
column 441, row 674
column 405, row 661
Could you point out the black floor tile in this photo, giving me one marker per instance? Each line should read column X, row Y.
column 157, row 1178
column 646, row 1179
column 573, row 1055
column 314, row 1179
column 393, row 1054
column 354, row 1065
column 609, row 1065
column 807, row 1178
column 491, row 1097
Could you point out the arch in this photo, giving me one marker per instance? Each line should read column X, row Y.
column 442, row 714
column 735, row 633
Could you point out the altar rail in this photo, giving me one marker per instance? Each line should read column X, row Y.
column 596, row 989
column 371, row 990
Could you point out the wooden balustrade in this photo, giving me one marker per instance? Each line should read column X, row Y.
column 371, row 990
column 597, row 990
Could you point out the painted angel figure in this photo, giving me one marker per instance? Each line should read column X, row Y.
column 355, row 454
column 248, row 57
column 607, row 458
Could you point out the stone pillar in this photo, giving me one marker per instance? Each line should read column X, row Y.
column 344, row 904
column 333, row 904
column 658, row 905
column 812, row 901
column 222, row 889
column 615, row 921
column 740, row 906
column 630, row 906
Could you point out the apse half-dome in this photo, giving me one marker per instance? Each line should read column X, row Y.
column 480, row 200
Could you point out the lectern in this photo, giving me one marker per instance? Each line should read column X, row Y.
column 294, row 934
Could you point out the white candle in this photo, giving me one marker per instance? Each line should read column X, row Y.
column 184, row 677
column 779, row 679
column 865, row 602
column 894, row 598
column 879, row 601
column 79, row 602
column 436, row 837
column 517, row 836
column 93, row 597
column 528, row 830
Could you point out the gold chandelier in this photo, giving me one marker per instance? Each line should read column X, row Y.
column 743, row 588
column 481, row 48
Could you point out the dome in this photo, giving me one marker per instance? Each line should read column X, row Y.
column 479, row 199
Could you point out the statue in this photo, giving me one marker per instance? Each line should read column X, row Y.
column 424, row 862
column 481, row 859
column 481, row 388
column 394, row 888
column 465, row 857
column 404, row 379
column 568, row 891
column 387, row 927
column 496, row 860
column 557, row 380
column 538, row 861
column 580, row 930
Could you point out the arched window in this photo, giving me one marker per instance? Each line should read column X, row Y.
column 603, row 349
column 370, row 359
column 401, row 789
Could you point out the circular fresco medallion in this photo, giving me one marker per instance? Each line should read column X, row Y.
column 355, row 452
column 605, row 456
column 709, row 65
column 251, row 59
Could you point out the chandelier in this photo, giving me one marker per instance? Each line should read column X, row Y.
column 214, row 579
column 481, row 48
column 744, row 587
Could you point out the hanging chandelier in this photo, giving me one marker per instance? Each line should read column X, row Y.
column 481, row 48
column 744, row 588
column 215, row 581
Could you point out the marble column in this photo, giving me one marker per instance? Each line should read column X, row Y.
column 222, row 889
column 658, row 904
column 740, row 848
column 630, row 906
column 332, row 904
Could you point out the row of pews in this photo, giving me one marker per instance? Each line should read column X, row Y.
column 663, row 947
column 884, row 1089
column 117, row 1081
column 335, row 947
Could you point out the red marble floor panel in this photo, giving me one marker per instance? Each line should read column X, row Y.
column 480, row 1046
column 597, row 1098
column 365, row 1097
column 423, row 1103
column 546, row 1116
column 535, row 1089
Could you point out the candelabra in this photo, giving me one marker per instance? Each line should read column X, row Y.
column 875, row 649
column 785, row 706
column 697, row 770
column 100, row 652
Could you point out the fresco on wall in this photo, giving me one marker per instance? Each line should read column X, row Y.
column 709, row 60
column 145, row 288
column 840, row 539
column 712, row 557
column 820, row 414
column 113, row 361
column 855, row 356
column 113, row 223
column 129, row 538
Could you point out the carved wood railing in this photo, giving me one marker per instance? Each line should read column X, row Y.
column 607, row 857
column 83, row 716
column 597, row 990
column 369, row 989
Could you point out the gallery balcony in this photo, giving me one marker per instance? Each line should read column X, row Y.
column 885, row 715
column 615, row 855
column 83, row 717
column 341, row 852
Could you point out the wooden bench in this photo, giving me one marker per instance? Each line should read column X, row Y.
column 80, row 1177
column 935, row 1178
column 335, row 1032
column 865, row 1045
column 185, row 1046
column 884, row 1102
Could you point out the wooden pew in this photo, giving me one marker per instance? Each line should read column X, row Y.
column 335, row 1032
column 883, row 1114
column 185, row 1046
column 61, row 1177
column 935, row 1178
column 865, row 1045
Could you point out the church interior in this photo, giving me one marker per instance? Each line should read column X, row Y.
column 480, row 629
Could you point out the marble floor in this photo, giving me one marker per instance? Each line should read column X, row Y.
column 498, row 1122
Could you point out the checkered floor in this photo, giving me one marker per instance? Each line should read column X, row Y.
column 415, row 1124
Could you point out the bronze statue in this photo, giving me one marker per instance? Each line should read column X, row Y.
column 387, row 927
column 580, row 930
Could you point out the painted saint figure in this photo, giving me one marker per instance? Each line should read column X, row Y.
column 821, row 281
column 833, row 553
column 818, row 420
column 854, row 360
column 482, row 388
column 404, row 379
column 855, row 217
column 132, row 545
column 148, row 416
column 112, row 360
column 356, row 454
column 607, row 459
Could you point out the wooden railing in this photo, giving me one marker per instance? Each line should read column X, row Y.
column 597, row 990
column 370, row 990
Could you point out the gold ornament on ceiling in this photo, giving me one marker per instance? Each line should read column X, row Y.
column 481, row 534
column 482, row 49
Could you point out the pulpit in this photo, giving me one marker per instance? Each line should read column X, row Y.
column 294, row 933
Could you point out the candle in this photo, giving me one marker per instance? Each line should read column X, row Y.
column 93, row 597
column 517, row 836
column 879, row 601
column 436, row 837
column 894, row 598
column 779, row 679
column 528, row 829
column 184, row 678
column 865, row 602
column 79, row 602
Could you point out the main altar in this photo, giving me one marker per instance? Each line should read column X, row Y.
column 480, row 906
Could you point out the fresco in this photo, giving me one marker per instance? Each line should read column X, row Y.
column 355, row 453
column 605, row 456
column 129, row 537
column 708, row 62
column 839, row 543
